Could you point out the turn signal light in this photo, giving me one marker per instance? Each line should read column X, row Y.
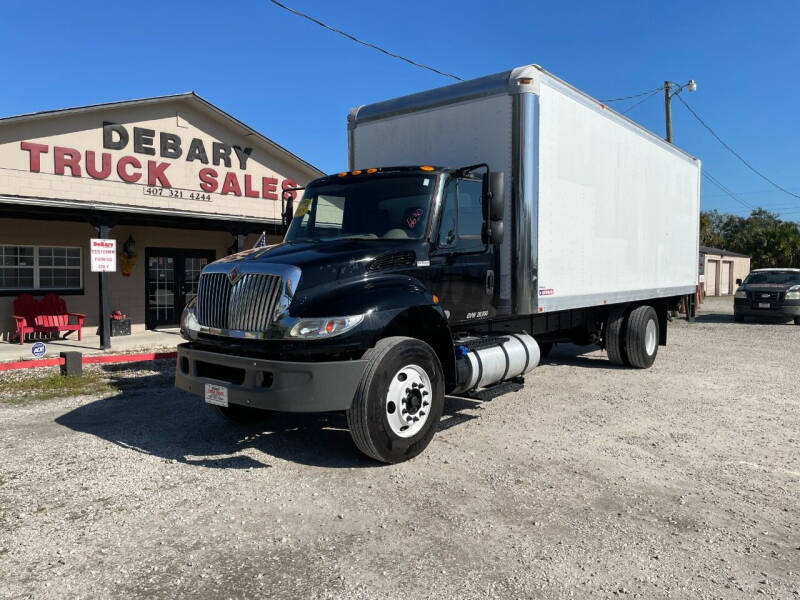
column 435, row 299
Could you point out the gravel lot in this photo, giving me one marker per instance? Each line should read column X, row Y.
column 682, row 481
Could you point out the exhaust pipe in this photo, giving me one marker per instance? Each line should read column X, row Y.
column 483, row 362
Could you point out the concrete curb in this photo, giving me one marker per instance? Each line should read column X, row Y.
column 87, row 360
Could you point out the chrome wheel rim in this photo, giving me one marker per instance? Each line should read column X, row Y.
column 650, row 337
column 408, row 401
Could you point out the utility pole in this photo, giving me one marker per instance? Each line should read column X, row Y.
column 104, row 231
column 690, row 85
column 668, row 108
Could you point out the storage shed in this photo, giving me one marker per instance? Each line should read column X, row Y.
column 719, row 270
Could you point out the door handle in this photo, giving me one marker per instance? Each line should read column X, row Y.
column 489, row 282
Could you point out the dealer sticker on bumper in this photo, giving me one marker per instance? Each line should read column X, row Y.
column 216, row 394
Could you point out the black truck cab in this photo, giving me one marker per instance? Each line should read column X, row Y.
column 406, row 253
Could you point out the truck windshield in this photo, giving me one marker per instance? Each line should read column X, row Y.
column 775, row 277
column 386, row 207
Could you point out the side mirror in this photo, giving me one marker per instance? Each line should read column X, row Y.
column 739, row 281
column 493, row 195
column 494, row 205
column 496, row 229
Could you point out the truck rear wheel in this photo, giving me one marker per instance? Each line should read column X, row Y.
column 614, row 336
column 641, row 337
column 399, row 401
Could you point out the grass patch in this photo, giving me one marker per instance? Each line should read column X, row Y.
column 54, row 385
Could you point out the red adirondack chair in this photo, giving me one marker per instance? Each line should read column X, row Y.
column 48, row 315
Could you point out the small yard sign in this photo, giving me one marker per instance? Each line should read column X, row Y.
column 104, row 255
column 38, row 349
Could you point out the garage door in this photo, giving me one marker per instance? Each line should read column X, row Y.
column 711, row 277
column 725, row 278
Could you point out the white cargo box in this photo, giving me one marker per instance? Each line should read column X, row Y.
column 598, row 209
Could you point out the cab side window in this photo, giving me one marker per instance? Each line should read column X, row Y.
column 449, row 222
column 470, row 215
column 462, row 216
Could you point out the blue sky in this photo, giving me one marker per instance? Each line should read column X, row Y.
column 295, row 82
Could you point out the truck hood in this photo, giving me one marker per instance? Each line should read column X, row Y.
column 325, row 262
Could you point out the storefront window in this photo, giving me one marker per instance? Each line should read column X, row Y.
column 16, row 267
column 40, row 268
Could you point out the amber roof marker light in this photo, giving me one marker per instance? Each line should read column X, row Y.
column 342, row 174
column 372, row 170
column 355, row 173
column 426, row 168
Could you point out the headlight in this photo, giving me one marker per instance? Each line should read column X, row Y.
column 793, row 293
column 189, row 324
column 311, row 329
column 740, row 294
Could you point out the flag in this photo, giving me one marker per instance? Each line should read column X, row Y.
column 262, row 241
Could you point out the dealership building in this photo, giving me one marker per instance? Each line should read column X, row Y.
column 174, row 180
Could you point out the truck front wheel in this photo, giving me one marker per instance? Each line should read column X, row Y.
column 399, row 401
column 642, row 337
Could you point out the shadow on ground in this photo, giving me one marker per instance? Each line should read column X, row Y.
column 580, row 356
column 148, row 415
column 727, row 319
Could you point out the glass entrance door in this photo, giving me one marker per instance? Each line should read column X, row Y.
column 171, row 282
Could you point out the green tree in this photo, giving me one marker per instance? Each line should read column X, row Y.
column 768, row 240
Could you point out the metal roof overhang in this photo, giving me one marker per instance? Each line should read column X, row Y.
column 53, row 209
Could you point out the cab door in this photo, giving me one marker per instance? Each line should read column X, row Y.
column 461, row 263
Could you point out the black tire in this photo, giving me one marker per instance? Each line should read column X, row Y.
column 544, row 350
column 614, row 336
column 738, row 318
column 367, row 417
column 797, row 320
column 242, row 415
column 642, row 354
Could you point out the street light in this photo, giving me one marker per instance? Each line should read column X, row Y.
column 670, row 89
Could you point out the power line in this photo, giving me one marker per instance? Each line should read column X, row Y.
column 647, row 95
column 645, row 99
column 721, row 186
column 632, row 96
column 760, row 192
column 732, row 151
column 363, row 43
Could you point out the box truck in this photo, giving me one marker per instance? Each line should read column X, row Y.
column 477, row 225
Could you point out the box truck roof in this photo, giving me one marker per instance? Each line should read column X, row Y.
column 524, row 79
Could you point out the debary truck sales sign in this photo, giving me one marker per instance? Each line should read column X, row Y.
column 177, row 155
column 219, row 176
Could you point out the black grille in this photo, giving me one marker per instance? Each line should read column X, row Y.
column 246, row 305
column 773, row 297
column 233, row 375
column 395, row 259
